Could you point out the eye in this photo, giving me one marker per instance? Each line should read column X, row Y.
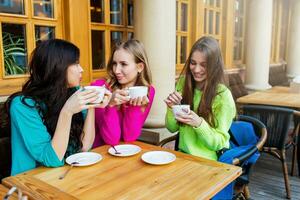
column 123, row 63
column 193, row 62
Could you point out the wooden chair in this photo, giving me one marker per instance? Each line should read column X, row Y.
column 278, row 121
column 261, row 133
column 277, row 76
column 236, row 85
column 5, row 143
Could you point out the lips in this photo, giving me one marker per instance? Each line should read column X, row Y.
column 119, row 77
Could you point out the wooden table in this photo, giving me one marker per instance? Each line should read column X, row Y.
column 276, row 96
column 188, row 177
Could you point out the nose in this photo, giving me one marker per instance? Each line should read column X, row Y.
column 80, row 68
column 117, row 69
column 198, row 68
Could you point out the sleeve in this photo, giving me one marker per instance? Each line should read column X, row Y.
column 171, row 122
column 34, row 134
column 224, row 111
column 107, row 122
column 134, row 118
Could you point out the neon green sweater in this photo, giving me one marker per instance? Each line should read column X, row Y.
column 205, row 140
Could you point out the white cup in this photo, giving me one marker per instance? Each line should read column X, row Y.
column 100, row 89
column 138, row 91
column 181, row 109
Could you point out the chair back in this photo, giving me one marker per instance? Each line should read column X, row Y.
column 276, row 119
column 5, row 143
column 236, row 86
column 5, row 155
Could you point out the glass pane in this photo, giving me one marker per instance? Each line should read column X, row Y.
column 12, row 6
column 212, row 2
column 176, row 15
column 130, row 12
column 239, row 6
column 205, row 20
column 210, row 22
column 43, row 8
column 115, row 37
column 217, row 23
column 130, row 35
column 97, row 11
column 176, row 49
column 236, row 24
column 184, row 17
column 98, row 50
column 218, row 2
column 14, row 48
column 116, row 12
column 43, row 33
column 183, row 49
column 237, row 51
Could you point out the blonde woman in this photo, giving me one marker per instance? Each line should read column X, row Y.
column 124, row 118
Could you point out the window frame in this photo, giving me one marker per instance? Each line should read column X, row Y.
column 12, row 83
column 108, row 28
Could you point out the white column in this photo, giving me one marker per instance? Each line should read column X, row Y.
column 258, row 46
column 155, row 26
column 293, row 56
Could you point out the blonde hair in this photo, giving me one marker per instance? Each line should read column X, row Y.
column 135, row 48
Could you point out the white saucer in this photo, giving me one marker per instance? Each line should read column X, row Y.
column 84, row 158
column 158, row 157
column 125, row 150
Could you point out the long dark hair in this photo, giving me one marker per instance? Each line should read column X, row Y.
column 135, row 48
column 48, row 86
column 215, row 75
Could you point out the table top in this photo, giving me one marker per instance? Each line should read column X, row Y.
column 188, row 177
column 276, row 96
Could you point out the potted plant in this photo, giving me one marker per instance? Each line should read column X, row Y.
column 14, row 54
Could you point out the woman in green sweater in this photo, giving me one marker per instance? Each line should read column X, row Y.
column 204, row 130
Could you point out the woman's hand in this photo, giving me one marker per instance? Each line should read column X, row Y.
column 139, row 101
column 119, row 97
column 173, row 99
column 191, row 119
column 105, row 101
column 80, row 100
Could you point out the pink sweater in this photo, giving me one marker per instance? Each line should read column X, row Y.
column 124, row 123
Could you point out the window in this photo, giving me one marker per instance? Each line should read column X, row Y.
column 110, row 23
column 239, row 32
column 182, row 33
column 23, row 24
column 279, row 31
column 212, row 25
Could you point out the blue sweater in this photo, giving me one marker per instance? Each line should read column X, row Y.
column 31, row 142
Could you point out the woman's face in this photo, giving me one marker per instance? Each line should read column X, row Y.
column 74, row 75
column 125, row 69
column 198, row 66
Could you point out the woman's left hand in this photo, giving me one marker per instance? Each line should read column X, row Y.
column 191, row 119
column 139, row 101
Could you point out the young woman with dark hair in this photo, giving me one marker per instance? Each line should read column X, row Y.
column 204, row 130
column 51, row 117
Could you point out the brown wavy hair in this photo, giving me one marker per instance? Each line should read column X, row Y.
column 215, row 75
column 135, row 48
